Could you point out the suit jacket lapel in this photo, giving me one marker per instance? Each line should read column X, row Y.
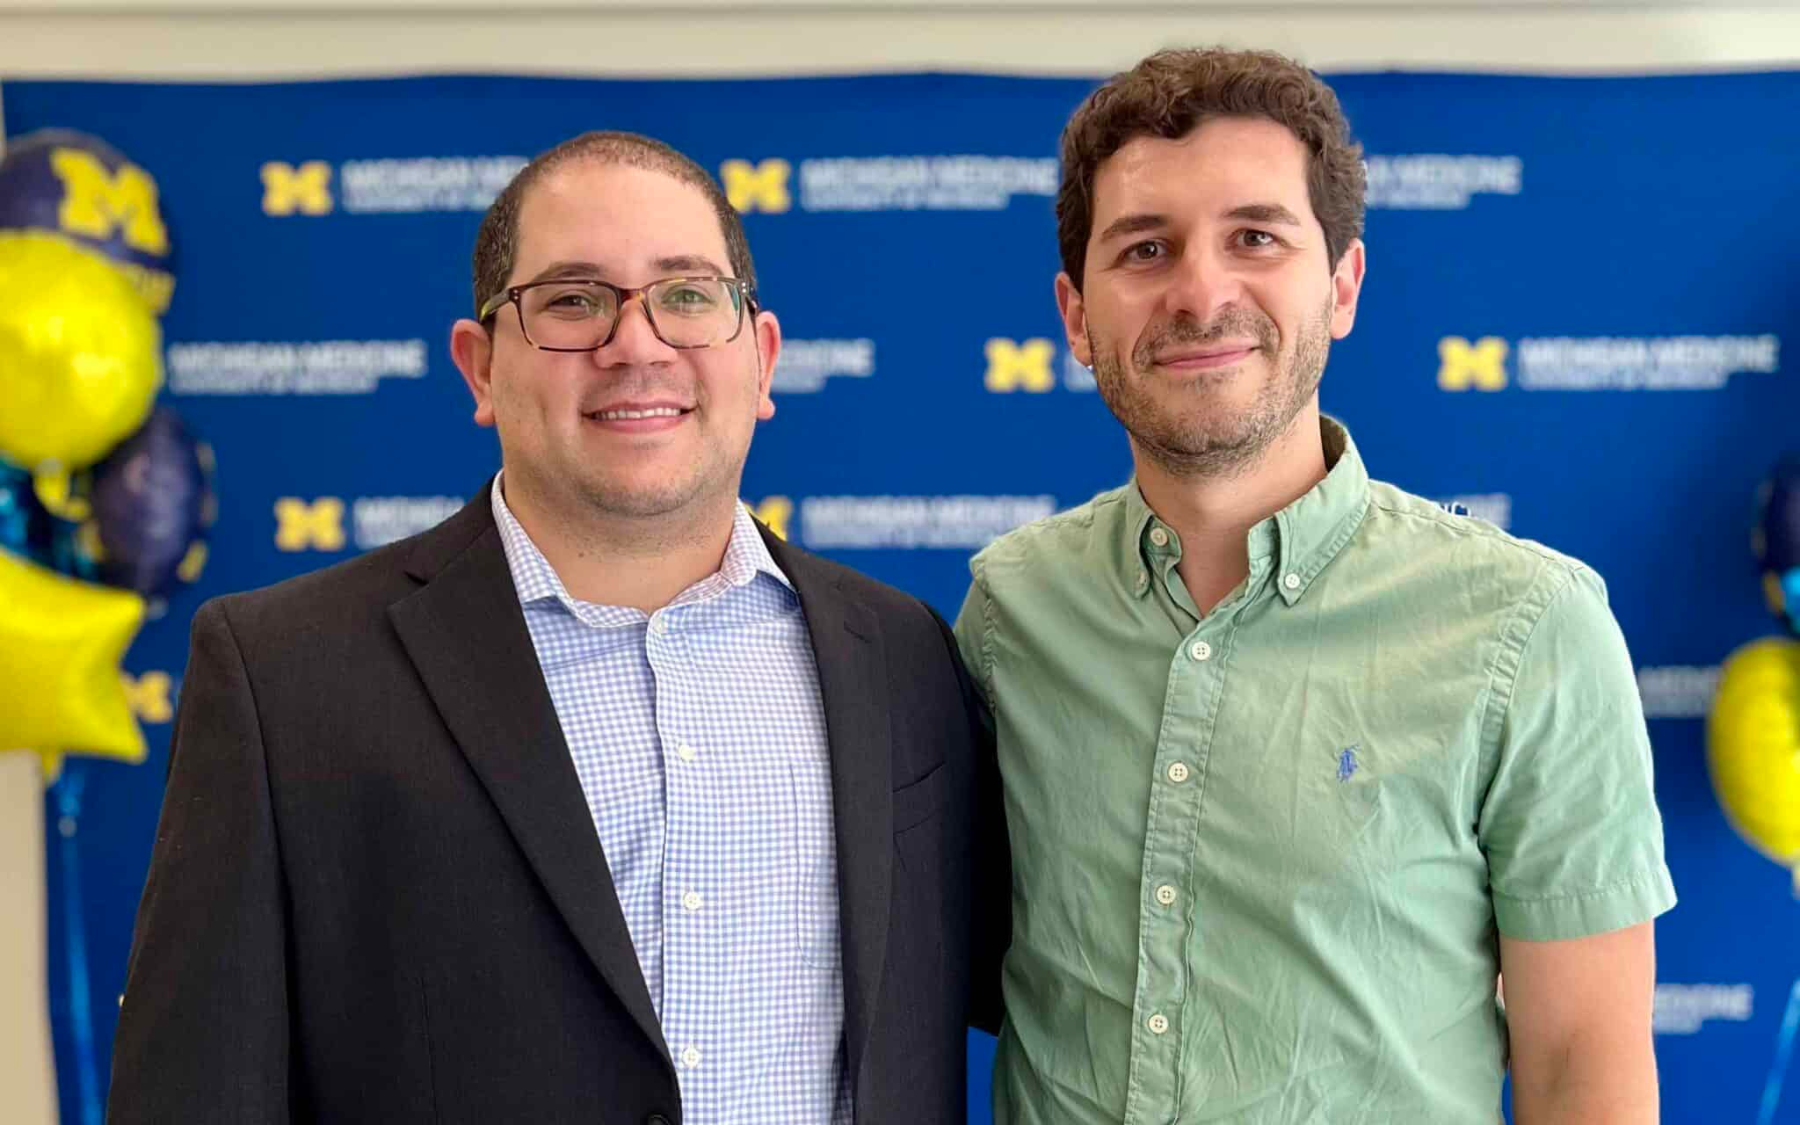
column 465, row 632
column 852, row 662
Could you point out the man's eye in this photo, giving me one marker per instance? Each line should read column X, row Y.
column 1256, row 239
column 1144, row 252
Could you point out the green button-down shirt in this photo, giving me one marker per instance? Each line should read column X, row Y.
column 1262, row 857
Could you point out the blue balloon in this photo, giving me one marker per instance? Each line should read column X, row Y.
column 26, row 529
column 81, row 188
column 1777, row 540
column 152, row 502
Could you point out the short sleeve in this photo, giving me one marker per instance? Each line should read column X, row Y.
column 971, row 636
column 1569, row 824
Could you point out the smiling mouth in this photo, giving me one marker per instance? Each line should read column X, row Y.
column 1196, row 361
column 633, row 415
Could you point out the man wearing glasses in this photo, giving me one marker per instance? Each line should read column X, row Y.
column 596, row 802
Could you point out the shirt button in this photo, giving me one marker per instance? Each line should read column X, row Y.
column 1292, row 581
column 1178, row 772
column 691, row 900
column 686, row 753
column 690, row 1057
column 660, row 624
column 1157, row 1024
column 1143, row 579
column 1200, row 651
column 1159, row 537
column 1165, row 894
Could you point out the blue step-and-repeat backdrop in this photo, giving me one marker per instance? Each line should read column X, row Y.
column 1577, row 297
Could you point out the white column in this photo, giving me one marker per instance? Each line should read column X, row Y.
column 27, row 1064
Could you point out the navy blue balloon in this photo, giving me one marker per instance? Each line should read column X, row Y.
column 82, row 189
column 152, row 502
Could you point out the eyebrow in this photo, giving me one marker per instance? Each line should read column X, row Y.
column 1264, row 213
column 1272, row 213
column 1133, row 224
column 665, row 267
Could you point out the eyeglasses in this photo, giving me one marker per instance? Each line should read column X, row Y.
column 582, row 314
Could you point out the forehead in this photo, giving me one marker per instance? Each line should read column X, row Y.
column 1222, row 162
column 615, row 216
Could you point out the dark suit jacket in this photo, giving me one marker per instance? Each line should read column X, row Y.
column 377, row 893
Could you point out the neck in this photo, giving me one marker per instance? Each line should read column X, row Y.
column 1214, row 513
column 641, row 562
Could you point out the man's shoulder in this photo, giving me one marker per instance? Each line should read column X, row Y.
column 887, row 603
column 1455, row 543
column 345, row 599
column 1067, row 540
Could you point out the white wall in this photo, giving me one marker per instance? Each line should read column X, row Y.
column 252, row 39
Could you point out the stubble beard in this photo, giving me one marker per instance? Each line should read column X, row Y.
column 1180, row 429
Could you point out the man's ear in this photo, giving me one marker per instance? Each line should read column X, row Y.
column 1346, row 287
column 473, row 350
column 768, row 350
column 1074, row 318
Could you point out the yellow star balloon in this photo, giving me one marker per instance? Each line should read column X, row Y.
column 60, row 645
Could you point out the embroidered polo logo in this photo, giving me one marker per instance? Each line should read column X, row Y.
column 1347, row 763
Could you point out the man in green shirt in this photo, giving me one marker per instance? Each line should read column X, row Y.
column 1298, row 765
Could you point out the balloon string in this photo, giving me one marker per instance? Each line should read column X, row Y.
column 1784, row 1054
column 81, row 1013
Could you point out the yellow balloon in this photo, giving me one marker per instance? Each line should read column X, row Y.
column 60, row 645
column 80, row 354
column 1753, row 746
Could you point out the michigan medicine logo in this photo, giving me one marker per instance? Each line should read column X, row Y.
column 410, row 185
column 774, row 185
column 1604, row 363
column 965, row 523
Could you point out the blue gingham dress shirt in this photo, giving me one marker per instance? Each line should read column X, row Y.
column 698, row 733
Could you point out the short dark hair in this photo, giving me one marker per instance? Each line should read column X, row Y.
column 497, row 242
column 1170, row 93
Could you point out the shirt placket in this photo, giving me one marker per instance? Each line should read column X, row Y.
column 1168, row 916
column 688, row 895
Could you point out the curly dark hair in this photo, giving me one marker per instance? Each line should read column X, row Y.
column 1171, row 92
column 497, row 242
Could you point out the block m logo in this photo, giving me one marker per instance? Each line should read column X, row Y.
column 318, row 526
column 1481, row 365
column 151, row 695
column 97, row 202
column 777, row 512
column 757, row 187
column 1011, row 366
column 306, row 189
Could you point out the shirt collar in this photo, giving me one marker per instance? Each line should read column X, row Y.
column 746, row 556
column 1302, row 538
